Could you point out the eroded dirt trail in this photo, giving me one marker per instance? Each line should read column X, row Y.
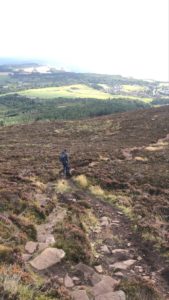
column 118, row 252
column 118, row 246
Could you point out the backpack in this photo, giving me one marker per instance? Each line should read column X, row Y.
column 63, row 158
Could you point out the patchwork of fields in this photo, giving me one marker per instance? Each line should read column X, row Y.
column 68, row 91
column 79, row 91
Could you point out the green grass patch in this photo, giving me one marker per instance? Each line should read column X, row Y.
column 68, row 91
column 132, row 88
column 76, row 91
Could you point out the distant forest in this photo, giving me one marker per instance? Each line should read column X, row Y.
column 18, row 109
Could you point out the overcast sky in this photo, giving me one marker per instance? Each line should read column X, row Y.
column 126, row 37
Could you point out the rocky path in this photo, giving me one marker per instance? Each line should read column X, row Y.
column 118, row 253
column 122, row 253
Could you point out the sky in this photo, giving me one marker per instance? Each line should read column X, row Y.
column 125, row 37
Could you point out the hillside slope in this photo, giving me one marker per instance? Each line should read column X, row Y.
column 113, row 212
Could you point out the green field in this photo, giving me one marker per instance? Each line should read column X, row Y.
column 68, row 91
column 132, row 88
column 75, row 91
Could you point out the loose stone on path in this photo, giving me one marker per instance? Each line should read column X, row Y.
column 123, row 265
column 47, row 258
column 99, row 269
column 68, row 282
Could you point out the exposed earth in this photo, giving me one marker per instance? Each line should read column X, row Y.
column 101, row 234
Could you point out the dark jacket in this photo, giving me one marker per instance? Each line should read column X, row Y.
column 64, row 158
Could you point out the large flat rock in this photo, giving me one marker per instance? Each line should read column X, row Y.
column 47, row 258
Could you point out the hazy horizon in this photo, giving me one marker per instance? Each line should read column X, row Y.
column 124, row 37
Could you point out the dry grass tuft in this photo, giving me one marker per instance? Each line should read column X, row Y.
column 62, row 186
column 82, row 181
column 97, row 191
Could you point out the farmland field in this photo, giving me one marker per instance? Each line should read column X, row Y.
column 75, row 91
column 69, row 91
column 132, row 88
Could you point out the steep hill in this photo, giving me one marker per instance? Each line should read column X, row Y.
column 104, row 231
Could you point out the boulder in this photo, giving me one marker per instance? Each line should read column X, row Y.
column 48, row 258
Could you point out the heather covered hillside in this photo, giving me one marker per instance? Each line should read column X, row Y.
column 101, row 233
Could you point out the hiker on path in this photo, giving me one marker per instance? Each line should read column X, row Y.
column 64, row 159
